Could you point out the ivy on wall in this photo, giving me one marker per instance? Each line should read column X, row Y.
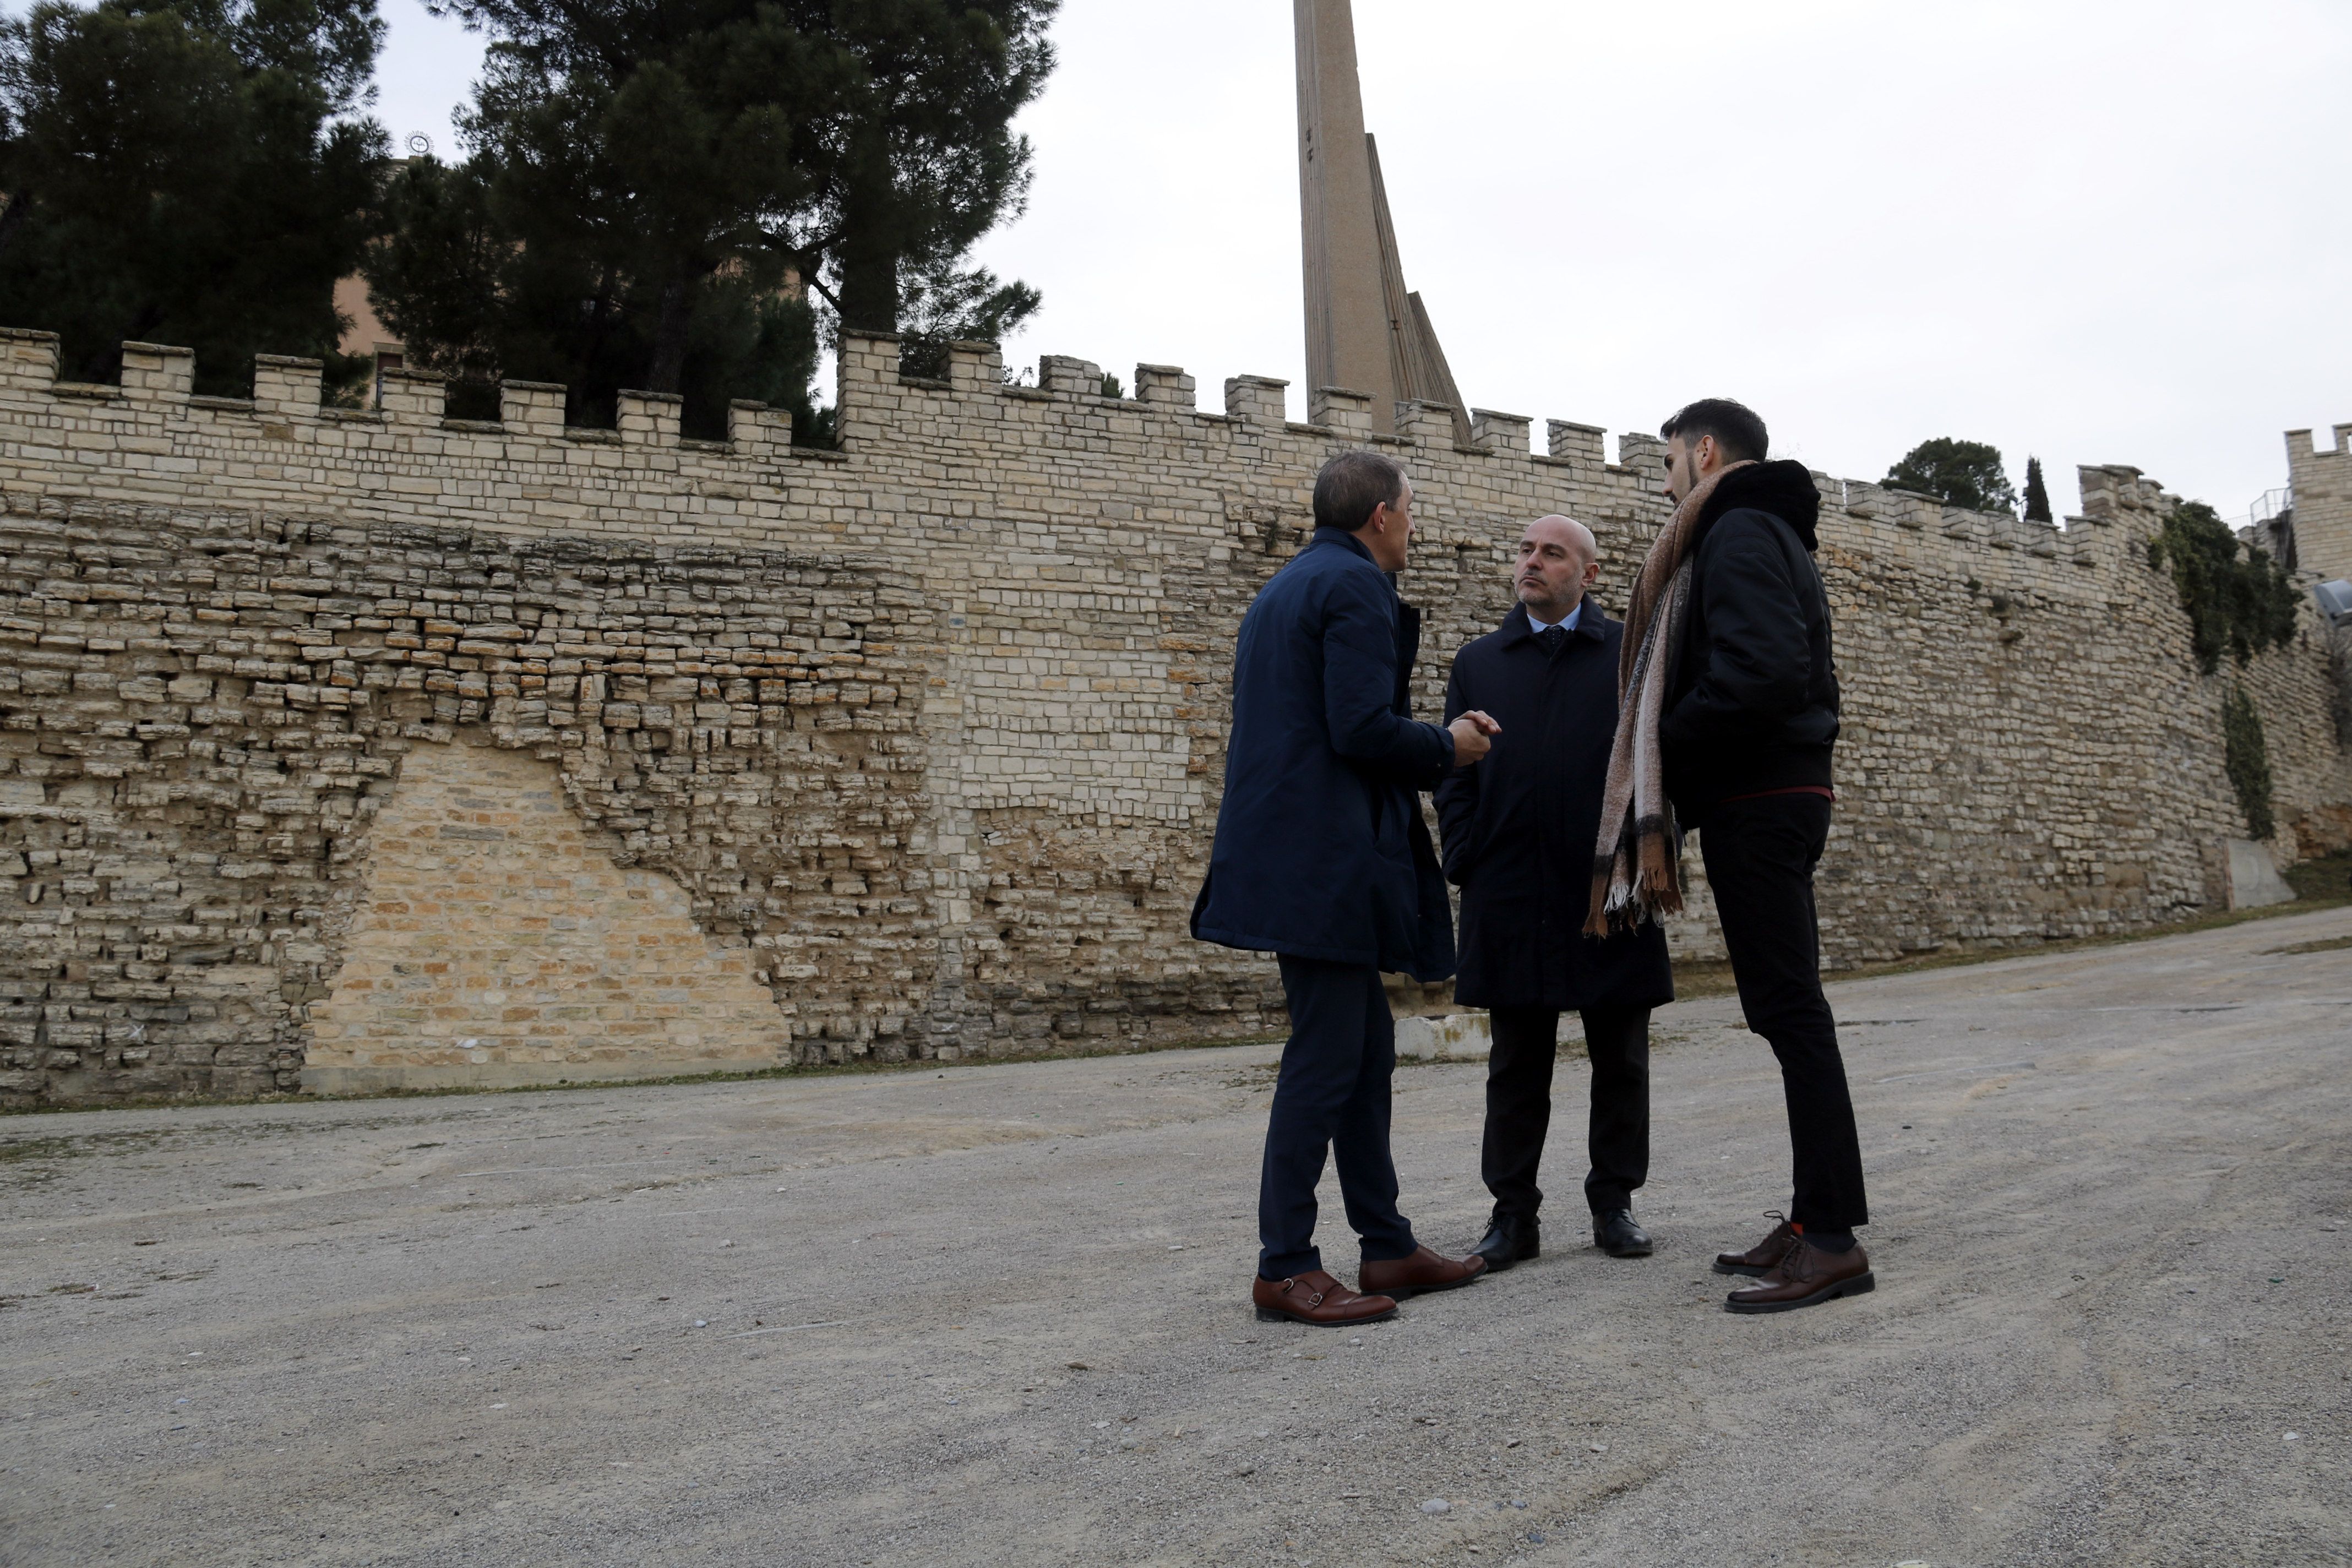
column 2247, row 759
column 2240, row 606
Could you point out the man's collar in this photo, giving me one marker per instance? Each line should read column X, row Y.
column 1342, row 536
column 1589, row 620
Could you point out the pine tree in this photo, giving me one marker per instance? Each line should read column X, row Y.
column 1958, row 473
column 194, row 172
column 2037, row 497
column 669, row 195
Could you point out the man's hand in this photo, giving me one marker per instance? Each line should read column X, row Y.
column 1470, row 737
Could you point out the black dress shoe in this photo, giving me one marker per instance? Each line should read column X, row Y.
column 1616, row 1234
column 1510, row 1239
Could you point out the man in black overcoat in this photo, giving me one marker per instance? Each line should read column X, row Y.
column 1519, row 827
column 1321, row 858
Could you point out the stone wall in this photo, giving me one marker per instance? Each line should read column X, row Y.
column 921, row 738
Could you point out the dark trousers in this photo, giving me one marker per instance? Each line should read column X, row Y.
column 1519, row 1105
column 1333, row 1094
column 1760, row 856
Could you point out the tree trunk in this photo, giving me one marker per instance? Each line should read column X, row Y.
column 668, row 371
column 869, row 284
column 12, row 216
column 869, row 245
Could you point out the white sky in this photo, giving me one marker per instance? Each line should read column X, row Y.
column 2092, row 230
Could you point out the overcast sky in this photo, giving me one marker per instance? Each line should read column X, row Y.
column 2095, row 231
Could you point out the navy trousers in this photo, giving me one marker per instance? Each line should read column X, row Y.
column 1760, row 856
column 1332, row 1094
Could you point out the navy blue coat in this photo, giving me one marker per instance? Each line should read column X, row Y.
column 1519, row 825
column 1320, row 849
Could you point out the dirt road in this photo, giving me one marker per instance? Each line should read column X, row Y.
column 998, row 1314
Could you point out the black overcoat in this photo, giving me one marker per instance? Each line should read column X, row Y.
column 1519, row 825
column 1320, row 849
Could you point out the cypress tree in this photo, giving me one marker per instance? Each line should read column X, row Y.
column 2037, row 497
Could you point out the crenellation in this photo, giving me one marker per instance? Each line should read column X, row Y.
column 1583, row 444
column 1504, row 434
column 288, row 390
column 1166, row 384
column 155, row 374
column 1424, row 424
column 1255, row 399
column 1070, row 377
column 1344, row 413
column 649, row 418
column 979, row 367
column 532, row 409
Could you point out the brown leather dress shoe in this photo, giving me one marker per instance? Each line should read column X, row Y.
column 1805, row 1276
column 1758, row 1260
column 1316, row 1297
column 1423, row 1271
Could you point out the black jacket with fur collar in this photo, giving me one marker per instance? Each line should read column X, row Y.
column 1754, row 702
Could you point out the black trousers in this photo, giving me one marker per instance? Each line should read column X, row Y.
column 1760, row 856
column 1519, row 1105
column 1332, row 1094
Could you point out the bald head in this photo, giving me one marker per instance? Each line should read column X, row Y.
column 1558, row 559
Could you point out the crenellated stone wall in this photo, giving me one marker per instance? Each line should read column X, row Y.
column 919, row 740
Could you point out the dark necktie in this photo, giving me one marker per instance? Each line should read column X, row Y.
column 1553, row 638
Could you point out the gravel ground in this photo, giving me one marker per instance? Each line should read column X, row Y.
column 998, row 1314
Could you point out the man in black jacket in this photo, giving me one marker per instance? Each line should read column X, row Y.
column 1751, row 716
column 1518, row 828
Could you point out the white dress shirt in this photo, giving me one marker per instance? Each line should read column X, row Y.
column 1569, row 623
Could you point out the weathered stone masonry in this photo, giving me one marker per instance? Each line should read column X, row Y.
column 919, row 740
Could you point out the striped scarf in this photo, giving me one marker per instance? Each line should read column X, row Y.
column 1637, row 860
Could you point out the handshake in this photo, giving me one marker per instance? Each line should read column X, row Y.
column 1471, row 735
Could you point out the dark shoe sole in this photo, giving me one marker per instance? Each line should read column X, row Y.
column 1622, row 1251
column 1752, row 1270
column 1860, row 1284
column 1497, row 1265
column 1268, row 1315
column 1406, row 1292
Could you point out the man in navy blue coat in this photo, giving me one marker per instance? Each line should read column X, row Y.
column 1321, row 858
column 1519, row 829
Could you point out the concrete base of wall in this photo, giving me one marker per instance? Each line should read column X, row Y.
column 332, row 1080
column 2254, row 880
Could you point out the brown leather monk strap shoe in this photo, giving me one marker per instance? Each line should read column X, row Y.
column 1758, row 1260
column 1805, row 1276
column 1316, row 1297
column 1423, row 1271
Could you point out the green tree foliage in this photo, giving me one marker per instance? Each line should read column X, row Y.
column 2246, row 758
column 188, row 171
column 2235, row 605
column 665, row 193
column 2037, row 495
column 1958, row 473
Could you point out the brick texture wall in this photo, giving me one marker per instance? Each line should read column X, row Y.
column 925, row 734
